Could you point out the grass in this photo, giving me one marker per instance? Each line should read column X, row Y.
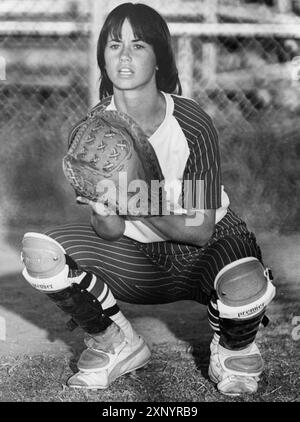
column 177, row 371
column 171, row 376
column 261, row 173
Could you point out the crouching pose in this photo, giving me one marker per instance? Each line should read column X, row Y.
column 210, row 257
column 114, row 348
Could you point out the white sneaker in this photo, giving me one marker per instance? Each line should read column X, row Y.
column 235, row 372
column 127, row 357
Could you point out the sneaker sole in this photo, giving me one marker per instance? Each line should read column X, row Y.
column 211, row 376
column 95, row 388
column 240, row 386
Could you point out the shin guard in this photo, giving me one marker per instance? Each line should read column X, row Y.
column 49, row 269
column 243, row 291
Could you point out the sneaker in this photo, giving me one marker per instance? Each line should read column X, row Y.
column 99, row 368
column 235, row 372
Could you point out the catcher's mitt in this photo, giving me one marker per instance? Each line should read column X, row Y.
column 108, row 145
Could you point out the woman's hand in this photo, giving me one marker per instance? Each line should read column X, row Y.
column 96, row 207
column 106, row 224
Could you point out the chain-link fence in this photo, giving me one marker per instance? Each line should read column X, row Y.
column 238, row 59
column 45, row 45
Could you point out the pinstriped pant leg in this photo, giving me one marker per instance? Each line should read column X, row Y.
column 161, row 272
column 221, row 253
column 129, row 273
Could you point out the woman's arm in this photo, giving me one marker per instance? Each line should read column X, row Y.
column 195, row 229
column 108, row 226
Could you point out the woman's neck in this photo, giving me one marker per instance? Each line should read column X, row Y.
column 147, row 109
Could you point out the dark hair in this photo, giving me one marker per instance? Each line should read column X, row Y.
column 149, row 26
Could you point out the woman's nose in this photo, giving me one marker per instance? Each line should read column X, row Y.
column 125, row 55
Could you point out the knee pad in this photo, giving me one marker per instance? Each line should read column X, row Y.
column 45, row 263
column 243, row 289
column 49, row 269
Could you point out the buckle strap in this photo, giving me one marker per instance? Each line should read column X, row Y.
column 71, row 263
column 111, row 311
column 268, row 274
column 265, row 320
column 86, row 281
column 71, row 324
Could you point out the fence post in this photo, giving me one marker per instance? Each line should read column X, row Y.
column 283, row 6
column 209, row 48
column 185, row 61
column 2, row 328
column 98, row 10
column 2, row 68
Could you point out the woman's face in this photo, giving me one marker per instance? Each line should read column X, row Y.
column 130, row 63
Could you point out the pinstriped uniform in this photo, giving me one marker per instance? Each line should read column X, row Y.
column 166, row 271
column 158, row 272
column 204, row 159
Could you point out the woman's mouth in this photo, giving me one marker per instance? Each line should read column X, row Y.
column 125, row 71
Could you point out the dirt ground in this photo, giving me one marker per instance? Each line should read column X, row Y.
column 31, row 324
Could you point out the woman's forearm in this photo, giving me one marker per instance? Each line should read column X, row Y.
column 109, row 227
column 180, row 228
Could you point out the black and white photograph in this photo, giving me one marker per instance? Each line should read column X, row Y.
column 150, row 213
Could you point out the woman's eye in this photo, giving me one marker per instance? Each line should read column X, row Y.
column 138, row 46
column 114, row 46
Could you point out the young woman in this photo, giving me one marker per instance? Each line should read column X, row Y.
column 211, row 258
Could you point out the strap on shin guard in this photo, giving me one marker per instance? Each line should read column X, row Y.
column 85, row 310
column 238, row 334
